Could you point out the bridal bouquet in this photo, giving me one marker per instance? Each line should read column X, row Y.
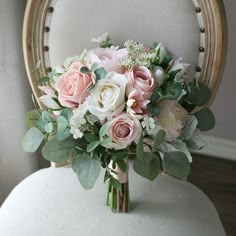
column 109, row 103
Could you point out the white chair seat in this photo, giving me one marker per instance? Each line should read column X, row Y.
column 51, row 202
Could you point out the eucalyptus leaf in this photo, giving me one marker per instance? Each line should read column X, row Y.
column 167, row 59
column 91, row 137
column 32, row 117
column 106, row 141
column 115, row 183
column 196, row 142
column 43, row 80
column 153, row 109
column 62, row 123
column 176, row 164
column 46, row 116
column 190, row 127
column 174, row 91
column 122, row 164
column 67, row 113
column 87, row 170
column 92, row 146
column 94, row 66
column 48, row 127
column 158, row 139
column 148, row 166
column 100, row 73
column 206, row 119
column 103, row 131
column 156, row 96
column 59, row 152
column 84, row 70
column 139, row 148
column 32, row 140
column 63, row 135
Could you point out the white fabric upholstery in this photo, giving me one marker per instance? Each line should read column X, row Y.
column 75, row 23
column 51, row 202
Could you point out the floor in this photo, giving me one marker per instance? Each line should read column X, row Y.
column 217, row 179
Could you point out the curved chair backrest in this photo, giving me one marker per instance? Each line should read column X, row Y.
column 194, row 30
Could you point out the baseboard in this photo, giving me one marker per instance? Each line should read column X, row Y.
column 220, row 147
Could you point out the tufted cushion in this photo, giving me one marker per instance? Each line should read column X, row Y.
column 51, row 202
column 173, row 23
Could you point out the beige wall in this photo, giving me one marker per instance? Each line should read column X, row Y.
column 224, row 105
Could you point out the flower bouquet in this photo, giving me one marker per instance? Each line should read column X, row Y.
column 108, row 104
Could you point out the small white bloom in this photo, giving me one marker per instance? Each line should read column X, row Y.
column 179, row 65
column 151, row 125
column 76, row 133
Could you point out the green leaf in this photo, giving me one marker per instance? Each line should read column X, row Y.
column 46, row 116
column 32, row 140
column 43, row 80
column 173, row 91
column 100, row 73
column 176, row 164
column 87, row 170
column 190, row 127
column 94, row 67
column 153, row 109
column 103, row 131
column 106, row 141
column 198, row 93
column 206, row 119
column 84, row 70
column 156, row 96
column 119, row 155
column 172, row 74
column 158, row 139
column 165, row 63
column 67, row 113
column 63, row 135
column 148, row 166
column 91, row 138
column 59, row 152
column 31, row 118
column 196, row 142
column 62, row 123
column 139, row 148
column 48, row 127
column 106, row 176
column 92, row 146
column 115, row 183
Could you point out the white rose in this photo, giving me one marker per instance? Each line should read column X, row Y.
column 108, row 97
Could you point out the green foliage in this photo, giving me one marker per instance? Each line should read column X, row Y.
column 165, row 63
column 173, row 91
column 46, row 116
column 176, row 164
column 172, row 74
column 115, row 183
column 147, row 166
column 206, row 119
column 87, row 170
column 48, row 127
column 67, row 113
column 106, row 141
column 197, row 93
column 156, row 96
column 43, row 80
column 59, row 152
column 32, row 140
column 84, row 70
column 94, row 67
column 196, row 142
column 190, row 127
column 90, row 137
column 153, row 109
column 103, row 131
column 31, row 118
column 158, row 139
column 100, row 73
column 91, row 146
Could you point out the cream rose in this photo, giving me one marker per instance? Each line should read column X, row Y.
column 72, row 87
column 141, row 78
column 123, row 129
column 172, row 119
column 108, row 97
column 108, row 58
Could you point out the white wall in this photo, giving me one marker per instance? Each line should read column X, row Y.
column 224, row 105
column 15, row 99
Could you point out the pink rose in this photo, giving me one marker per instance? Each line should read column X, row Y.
column 123, row 129
column 108, row 58
column 73, row 86
column 172, row 119
column 141, row 78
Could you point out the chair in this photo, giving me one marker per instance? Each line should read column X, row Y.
column 51, row 201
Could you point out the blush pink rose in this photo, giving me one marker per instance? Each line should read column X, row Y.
column 123, row 129
column 141, row 78
column 108, row 58
column 172, row 119
column 72, row 87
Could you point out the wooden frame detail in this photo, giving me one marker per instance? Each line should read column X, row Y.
column 214, row 42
